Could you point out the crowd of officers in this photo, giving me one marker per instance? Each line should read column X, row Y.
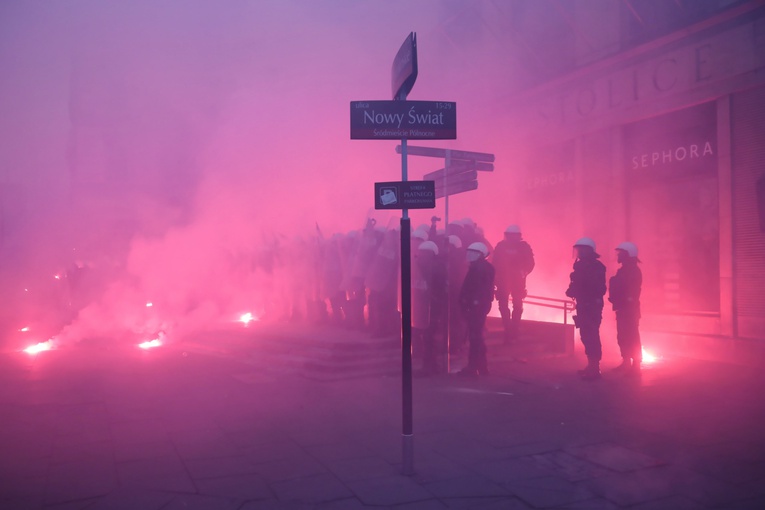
column 456, row 275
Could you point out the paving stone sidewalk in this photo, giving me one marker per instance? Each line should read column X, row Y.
column 91, row 427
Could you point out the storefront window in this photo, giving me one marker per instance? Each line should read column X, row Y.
column 671, row 165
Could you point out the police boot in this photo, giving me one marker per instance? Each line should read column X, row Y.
column 592, row 372
column 634, row 370
column 586, row 369
column 623, row 367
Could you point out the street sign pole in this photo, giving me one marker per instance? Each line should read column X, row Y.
column 417, row 120
column 407, row 433
column 449, row 290
column 403, row 76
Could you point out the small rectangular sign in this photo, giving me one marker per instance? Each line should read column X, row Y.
column 396, row 120
column 405, row 195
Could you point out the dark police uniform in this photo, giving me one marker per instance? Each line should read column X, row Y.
column 476, row 296
column 624, row 294
column 513, row 261
column 587, row 287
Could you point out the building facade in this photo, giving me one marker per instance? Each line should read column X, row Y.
column 663, row 143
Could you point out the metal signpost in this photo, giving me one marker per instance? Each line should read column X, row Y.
column 414, row 120
column 460, row 174
column 402, row 119
column 403, row 76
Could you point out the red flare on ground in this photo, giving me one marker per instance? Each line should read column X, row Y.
column 246, row 318
column 648, row 357
column 42, row 346
column 150, row 344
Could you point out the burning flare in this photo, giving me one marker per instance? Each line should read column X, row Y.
column 648, row 357
column 246, row 318
column 42, row 346
column 150, row 344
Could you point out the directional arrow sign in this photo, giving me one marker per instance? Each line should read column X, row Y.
column 481, row 166
column 450, row 170
column 460, row 165
column 453, row 189
column 471, row 175
column 433, row 152
column 404, row 70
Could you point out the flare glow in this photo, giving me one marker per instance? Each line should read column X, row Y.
column 648, row 357
column 42, row 346
column 246, row 318
column 150, row 344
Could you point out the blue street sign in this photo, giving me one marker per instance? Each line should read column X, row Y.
column 396, row 120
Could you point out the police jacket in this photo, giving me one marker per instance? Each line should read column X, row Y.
column 513, row 260
column 477, row 290
column 624, row 288
column 588, row 281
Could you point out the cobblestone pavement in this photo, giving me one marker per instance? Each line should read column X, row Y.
column 184, row 427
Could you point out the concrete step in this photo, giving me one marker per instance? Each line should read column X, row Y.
column 311, row 352
column 326, row 353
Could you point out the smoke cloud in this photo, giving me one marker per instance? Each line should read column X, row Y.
column 160, row 152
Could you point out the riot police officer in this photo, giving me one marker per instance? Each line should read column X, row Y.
column 430, row 327
column 476, row 296
column 624, row 295
column 513, row 260
column 587, row 287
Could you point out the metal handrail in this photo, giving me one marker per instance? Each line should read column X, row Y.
column 566, row 305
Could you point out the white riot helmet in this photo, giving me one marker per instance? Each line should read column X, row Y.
column 420, row 234
column 429, row 246
column 467, row 222
column 513, row 229
column 455, row 241
column 585, row 241
column 630, row 248
column 479, row 247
